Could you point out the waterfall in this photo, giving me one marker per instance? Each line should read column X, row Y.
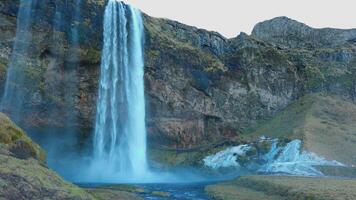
column 14, row 93
column 61, row 81
column 72, row 65
column 120, row 132
column 76, row 19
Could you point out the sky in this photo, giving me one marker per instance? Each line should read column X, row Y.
column 230, row 17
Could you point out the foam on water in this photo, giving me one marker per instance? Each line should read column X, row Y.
column 292, row 160
column 289, row 159
column 226, row 158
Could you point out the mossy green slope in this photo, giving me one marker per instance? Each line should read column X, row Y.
column 23, row 174
column 17, row 142
column 325, row 124
column 181, row 50
column 234, row 192
column 27, row 179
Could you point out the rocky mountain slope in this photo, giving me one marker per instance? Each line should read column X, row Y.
column 201, row 88
column 23, row 174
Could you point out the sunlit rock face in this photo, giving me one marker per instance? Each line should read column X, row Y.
column 282, row 159
column 201, row 88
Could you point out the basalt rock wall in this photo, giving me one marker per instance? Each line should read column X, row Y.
column 201, row 88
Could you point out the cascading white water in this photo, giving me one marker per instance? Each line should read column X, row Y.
column 120, row 132
column 288, row 159
column 14, row 94
column 292, row 160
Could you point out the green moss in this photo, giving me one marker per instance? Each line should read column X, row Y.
column 263, row 57
column 15, row 138
column 275, row 58
column 31, row 170
column 3, row 183
column 97, row 2
column 90, row 55
column 340, row 75
column 315, row 78
column 279, row 187
column 3, row 68
column 234, row 192
column 34, row 80
column 286, row 123
column 39, row 177
column 299, row 187
column 87, row 23
column 348, row 172
column 167, row 42
column 214, row 66
column 171, row 158
column 23, row 149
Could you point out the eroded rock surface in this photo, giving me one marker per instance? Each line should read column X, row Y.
column 201, row 88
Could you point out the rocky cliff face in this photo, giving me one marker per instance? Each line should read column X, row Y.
column 292, row 34
column 201, row 95
column 201, row 88
column 209, row 88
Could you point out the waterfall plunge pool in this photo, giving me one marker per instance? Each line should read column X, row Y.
column 161, row 191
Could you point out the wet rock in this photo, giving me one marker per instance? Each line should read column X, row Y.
column 201, row 88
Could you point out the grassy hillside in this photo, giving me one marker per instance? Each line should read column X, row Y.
column 17, row 142
column 325, row 124
column 23, row 174
column 280, row 188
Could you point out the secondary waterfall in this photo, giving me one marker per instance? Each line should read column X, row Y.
column 14, row 92
column 120, row 132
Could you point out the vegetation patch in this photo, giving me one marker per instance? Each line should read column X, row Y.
column 3, row 69
column 283, row 187
column 17, row 141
